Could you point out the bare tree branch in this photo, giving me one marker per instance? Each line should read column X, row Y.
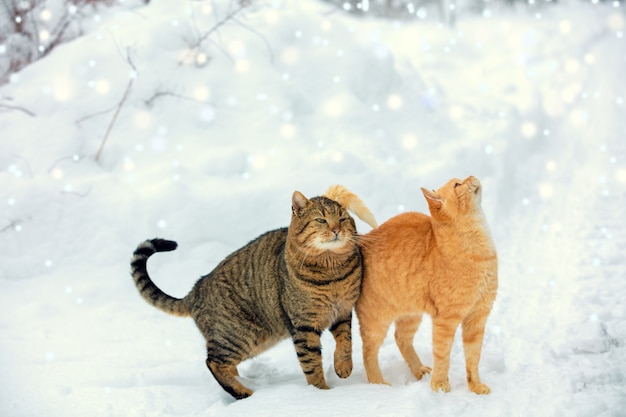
column 22, row 109
column 75, row 158
column 150, row 102
column 229, row 16
column 119, row 105
column 117, row 112
column 263, row 38
column 100, row 113
column 11, row 225
column 59, row 33
column 25, row 162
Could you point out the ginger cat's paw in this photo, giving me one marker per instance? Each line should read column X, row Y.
column 421, row 371
column 480, row 388
column 378, row 381
column 440, row 385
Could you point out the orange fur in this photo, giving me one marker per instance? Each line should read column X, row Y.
column 444, row 265
column 351, row 202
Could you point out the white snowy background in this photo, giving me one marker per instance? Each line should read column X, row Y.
column 218, row 124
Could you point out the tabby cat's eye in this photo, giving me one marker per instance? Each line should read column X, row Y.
column 320, row 220
column 343, row 219
column 457, row 185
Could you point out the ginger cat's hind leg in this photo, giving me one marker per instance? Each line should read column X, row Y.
column 473, row 332
column 373, row 335
column 406, row 327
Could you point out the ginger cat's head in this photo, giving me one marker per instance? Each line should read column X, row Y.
column 320, row 224
column 457, row 198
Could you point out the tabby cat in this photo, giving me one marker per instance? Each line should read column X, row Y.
column 444, row 265
column 291, row 282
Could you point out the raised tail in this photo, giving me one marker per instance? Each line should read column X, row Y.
column 351, row 202
column 148, row 290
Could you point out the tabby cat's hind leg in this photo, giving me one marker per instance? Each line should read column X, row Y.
column 225, row 374
column 406, row 327
column 342, row 332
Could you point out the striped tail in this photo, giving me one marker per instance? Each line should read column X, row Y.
column 148, row 290
column 351, row 202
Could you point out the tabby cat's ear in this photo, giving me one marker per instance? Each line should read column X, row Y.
column 298, row 202
column 434, row 200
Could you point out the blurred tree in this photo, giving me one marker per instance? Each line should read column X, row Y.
column 399, row 9
column 30, row 29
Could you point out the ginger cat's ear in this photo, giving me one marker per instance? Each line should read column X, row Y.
column 434, row 200
column 298, row 202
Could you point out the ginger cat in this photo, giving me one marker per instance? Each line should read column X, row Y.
column 444, row 265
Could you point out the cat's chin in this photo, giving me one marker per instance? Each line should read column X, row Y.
column 335, row 245
column 474, row 184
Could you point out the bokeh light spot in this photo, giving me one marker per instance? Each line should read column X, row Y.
column 409, row 141
column 334, row 107
column 546, row 190
column 287, row 130
column 395, row 102
column 102, row 86
column 237, row 48
column 143, row 119
column 46, row 15
column 615, row 21
column 57, row 173
column 529, row 129
column 290, row 55
column 456, row 112
column 202, row 93
column 207, row 114
column 272, row 16
column 242, row 66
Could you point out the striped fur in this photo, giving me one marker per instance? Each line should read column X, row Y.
column 150, row 292
column 290, row 282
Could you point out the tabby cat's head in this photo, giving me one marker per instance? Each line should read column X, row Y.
column 456, row 198
column 321, row 224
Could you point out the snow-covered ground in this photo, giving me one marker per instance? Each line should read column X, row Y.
column 211, row 140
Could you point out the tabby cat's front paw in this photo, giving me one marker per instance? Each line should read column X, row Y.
column 480, row 388
column 440, row 385
column 343, row 369
column 322, row 385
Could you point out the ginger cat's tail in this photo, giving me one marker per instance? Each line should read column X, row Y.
column 351, row 202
